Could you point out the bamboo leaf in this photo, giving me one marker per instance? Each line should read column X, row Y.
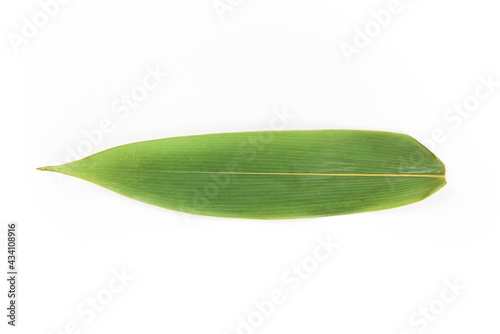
column 269, row 174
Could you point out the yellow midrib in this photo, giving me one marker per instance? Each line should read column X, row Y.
column 304, row 174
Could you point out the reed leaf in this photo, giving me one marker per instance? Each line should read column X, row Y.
column 268, row 174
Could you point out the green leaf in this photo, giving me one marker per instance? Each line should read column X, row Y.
column 269, row 174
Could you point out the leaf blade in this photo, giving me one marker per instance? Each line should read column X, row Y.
column 269, row 174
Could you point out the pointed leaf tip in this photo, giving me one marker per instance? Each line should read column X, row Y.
column 48, row 168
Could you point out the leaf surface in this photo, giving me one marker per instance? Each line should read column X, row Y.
column 269, row 174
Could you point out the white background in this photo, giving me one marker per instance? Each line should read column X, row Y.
column 230, row 71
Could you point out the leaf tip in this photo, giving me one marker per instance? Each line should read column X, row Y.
column 49, row 168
